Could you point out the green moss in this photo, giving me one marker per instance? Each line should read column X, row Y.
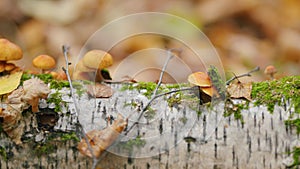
column 296, row 157
column 44, row 149
column 271, row 93
column 47, row 78
column 183, row 119
column 80, row 89
column 217, row 81
column 58, row 84
column 25, row 76
column 130, row 144
column 52, row 141
column 3, row 153
column 175, row 99
column 294, row 123
column 235, row 109
column 150, row 113
column 69, row 136
column 56, row 98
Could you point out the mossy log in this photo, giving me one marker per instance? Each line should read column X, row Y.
column 176, row 132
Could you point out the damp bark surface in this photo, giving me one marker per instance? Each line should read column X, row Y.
column 182, row 134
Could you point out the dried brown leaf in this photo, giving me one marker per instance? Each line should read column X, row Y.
column 240, row 90
column 100, row 140
column 99, row 90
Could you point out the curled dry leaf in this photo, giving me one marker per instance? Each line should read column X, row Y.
column 99, row 90
column 17, row 102
column 34, row 90
column 100, row 140
column 8, row 83
column 240, row 90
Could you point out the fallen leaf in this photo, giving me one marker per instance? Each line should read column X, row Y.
column 100, row 140
column 240, row 90
column 8, row 83
column 99, row 90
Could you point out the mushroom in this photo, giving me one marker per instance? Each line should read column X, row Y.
column 97, row 59
column 270, row 71
column 9, row 52
column 199, row 79
column 44, row 62
column 90, row 66
column 202, row 80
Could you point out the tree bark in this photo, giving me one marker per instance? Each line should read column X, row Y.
column 171, row 137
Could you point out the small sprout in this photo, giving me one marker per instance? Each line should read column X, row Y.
column 44, row 62
column 270, row 71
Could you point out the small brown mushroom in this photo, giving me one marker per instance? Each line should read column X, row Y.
column 9, row 51
column 9, row 66
column 2, row 66
column 44, row 62
column 207, row 90
column 90, row 66
column 199, row 79
column 97, row 59
column 270, row 71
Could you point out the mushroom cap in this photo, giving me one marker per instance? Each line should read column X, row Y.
column 270, row 70
column 211, row 91
column 2, row 66
column 200, row 79
column 44, row 62
column 9, row 51
column 80, row 67
column 97, row 59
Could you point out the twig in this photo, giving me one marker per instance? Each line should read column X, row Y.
column 66, row 70
column 170, row 56
column 154, row 95
column 242, row 75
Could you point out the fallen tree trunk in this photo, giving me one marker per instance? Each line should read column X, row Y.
column 175, row 132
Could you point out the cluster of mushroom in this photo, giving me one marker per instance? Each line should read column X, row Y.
column 90, row 66
column 9, row 52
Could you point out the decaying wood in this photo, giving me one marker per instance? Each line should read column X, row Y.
column 176, row 137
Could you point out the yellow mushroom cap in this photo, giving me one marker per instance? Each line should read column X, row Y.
column 97, row 59
column 211, row 91
column 44, row 62
column 9, row 51
column 80, row 67
column 199, row 79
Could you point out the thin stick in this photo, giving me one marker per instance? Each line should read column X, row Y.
column 66, row 70
column 170, row 56
column 154, row 95
column 242, row 75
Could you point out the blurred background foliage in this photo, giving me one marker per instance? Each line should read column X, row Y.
column 246, row 33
